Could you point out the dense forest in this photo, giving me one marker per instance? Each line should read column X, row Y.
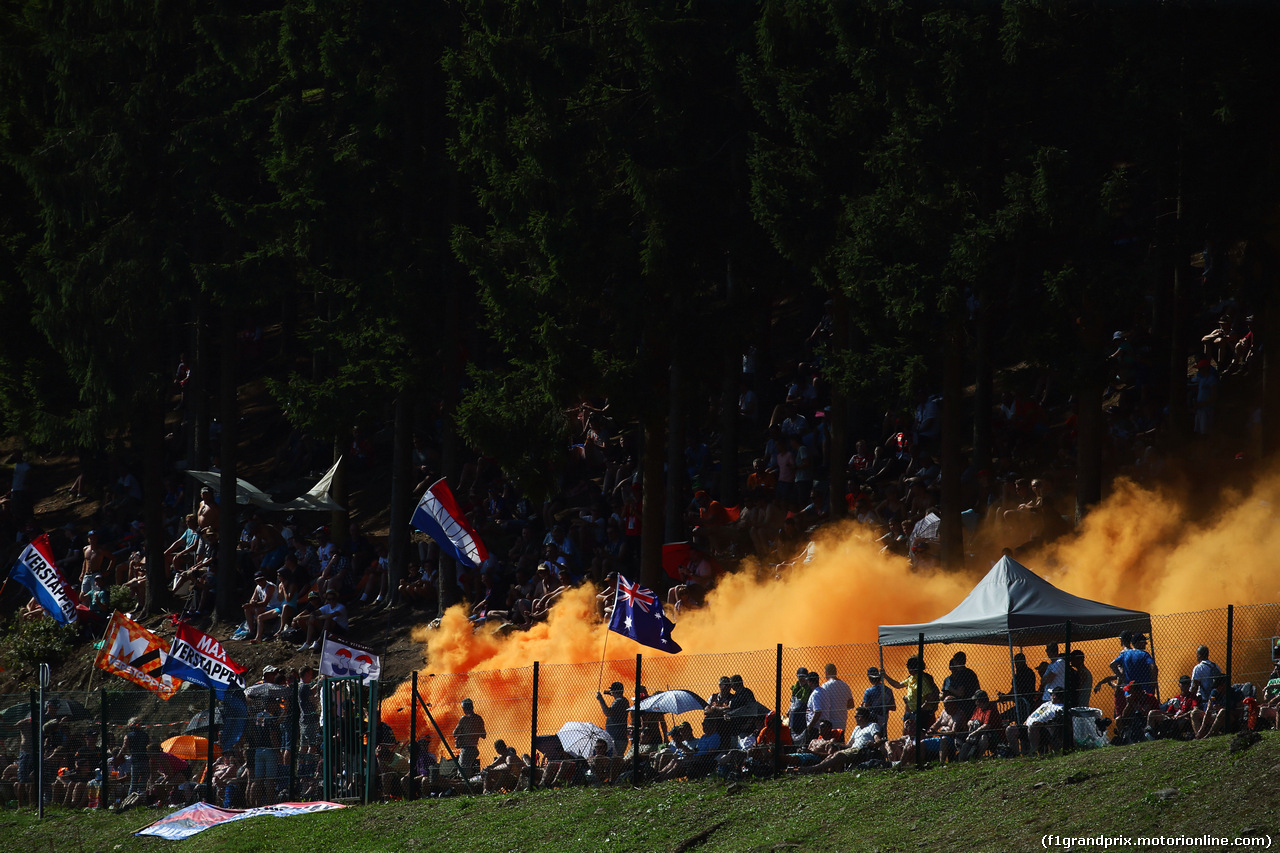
column 472, row 225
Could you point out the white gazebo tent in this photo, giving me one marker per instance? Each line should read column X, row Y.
column 1013, row 601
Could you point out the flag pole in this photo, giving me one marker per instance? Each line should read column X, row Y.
column 600, row 678
column 607, row 630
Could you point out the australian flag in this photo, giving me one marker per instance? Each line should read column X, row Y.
column 637, row 614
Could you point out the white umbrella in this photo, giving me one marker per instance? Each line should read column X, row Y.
column 673, row 702
column 580, row 738
column 266, row 690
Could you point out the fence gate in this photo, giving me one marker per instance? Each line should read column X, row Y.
column 348, row 736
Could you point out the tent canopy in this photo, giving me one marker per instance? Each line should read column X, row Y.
column 1014, row 601
column 317, row 499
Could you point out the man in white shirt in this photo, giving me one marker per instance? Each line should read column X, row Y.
column 1204, row 672
column 813, row 709
column 330, row 618
column 837, row 699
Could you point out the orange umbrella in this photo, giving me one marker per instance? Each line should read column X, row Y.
column 190, row 747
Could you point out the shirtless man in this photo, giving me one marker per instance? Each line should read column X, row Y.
column 97, row 561
column 207, row 512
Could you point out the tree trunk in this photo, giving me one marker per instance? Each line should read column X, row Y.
column 838, row 418
column 1089, row 444
column 152, row 497
column 228, row 594
column 339, row 519
column 673, row 522
column 983, row 389
column 401, row 492
column 652, row 509
column 950, row 530
column 727, row 487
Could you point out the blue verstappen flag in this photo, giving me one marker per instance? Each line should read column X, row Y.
column 637, row 614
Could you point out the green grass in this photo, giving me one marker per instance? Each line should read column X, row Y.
column 992, row 805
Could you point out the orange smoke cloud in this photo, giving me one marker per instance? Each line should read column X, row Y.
column 1139, row 549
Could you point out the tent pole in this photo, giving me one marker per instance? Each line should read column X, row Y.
column 1013, row 681
column 883, row 709
column 1151, row 641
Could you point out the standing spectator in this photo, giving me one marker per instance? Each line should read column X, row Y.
column 837, row 699
column 960, row 684
column 1136, row 666
column 796, row 718
column 878, row 699
column 1055, row 672
column 262, row 736
column 1204, row 673
column 1205, row 386
column 467, row 735
column 1083, row 678
column 615, row 716
column 924, row 711
column 135, row 747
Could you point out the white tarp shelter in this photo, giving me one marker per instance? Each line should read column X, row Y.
column 316, row 499
column 1013, row 605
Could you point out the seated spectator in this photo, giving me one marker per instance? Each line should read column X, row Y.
column 865, row 743
column 288, row 601
column 373, row 582
column 136, row 583
column 424, row 763
column 265, row 597
column 330, row 618
column 98, row 602
column 1223, row 711
column 695, row 758
column 984, row 728
column 1022, row 691
column 503, row 773
column 947, row 728
column 828, row 742
column 1180, row 716
column 181, row 553
column 1027, row 738
column 1269, row 709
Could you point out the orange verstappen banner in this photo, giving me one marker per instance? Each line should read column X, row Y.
column 136, row 654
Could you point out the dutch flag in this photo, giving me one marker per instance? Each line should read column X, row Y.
column 439, row 516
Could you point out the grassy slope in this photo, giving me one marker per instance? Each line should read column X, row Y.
column 989, row 806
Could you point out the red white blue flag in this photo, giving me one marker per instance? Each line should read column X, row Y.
column 637, row 614
column 37, row 571
column 439, row 516
column 199, row 658
column 343, row 658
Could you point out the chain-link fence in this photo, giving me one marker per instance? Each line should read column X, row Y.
column 292, row 739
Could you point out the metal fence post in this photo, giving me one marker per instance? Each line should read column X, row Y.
column 635, row 730
column 1231, row 625
column 533, row 732
column 211, row 734
column 1070, row 686
column 37, row 729
column 412, row 793
column 371, row 738
column 919, row 688
column 326, row 727
column 295, row 739
column 104, row 786
column 777, row 713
